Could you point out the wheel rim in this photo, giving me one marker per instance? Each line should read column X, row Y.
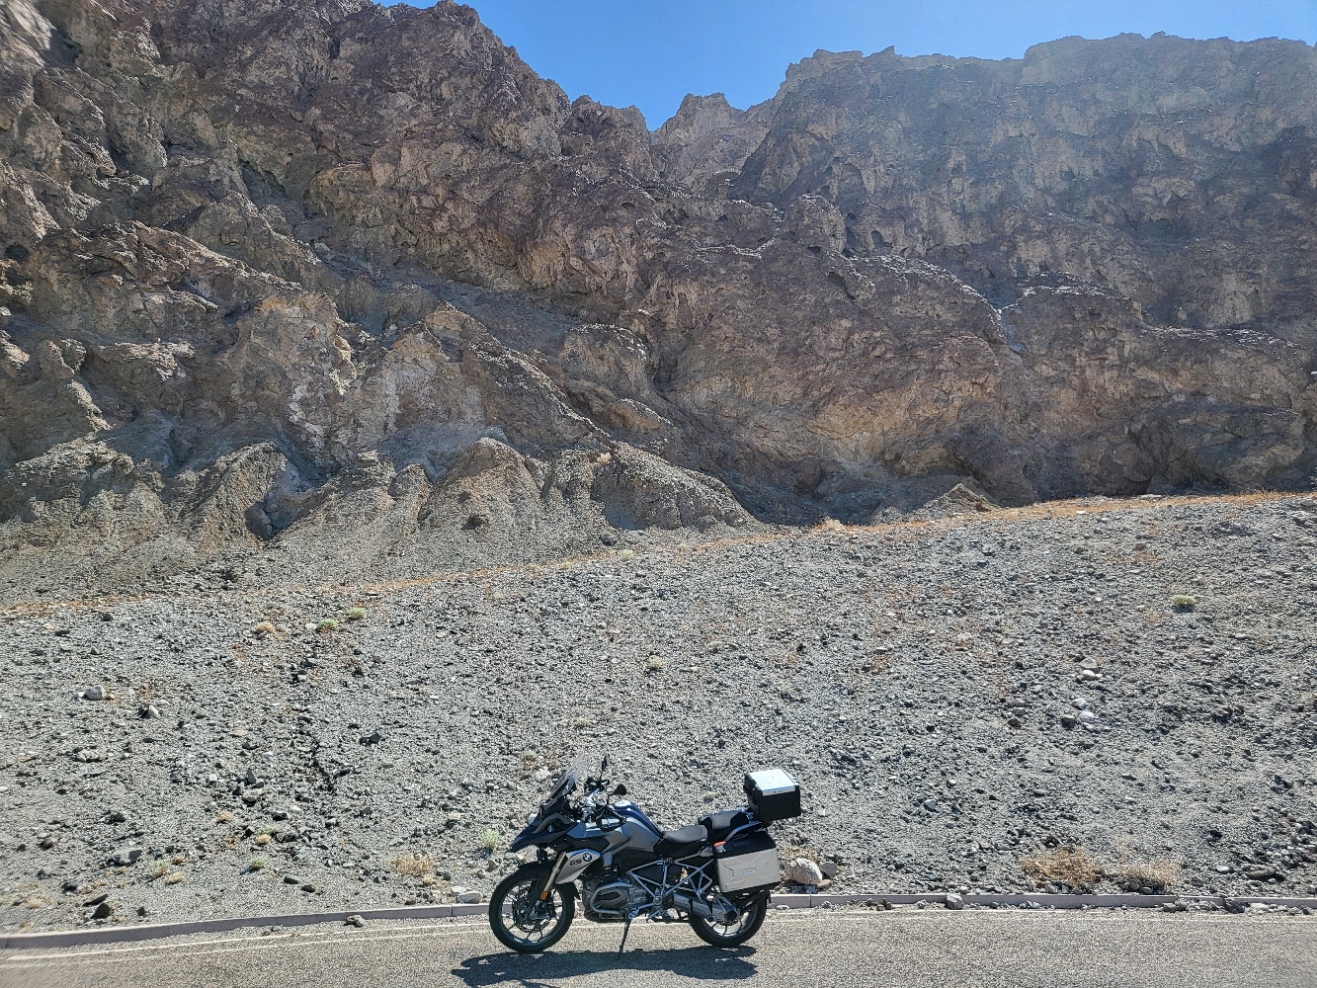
column 526, row 919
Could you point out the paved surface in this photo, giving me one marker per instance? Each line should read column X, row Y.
column 980, row 949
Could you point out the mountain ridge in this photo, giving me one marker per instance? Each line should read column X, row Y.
column 303, row 275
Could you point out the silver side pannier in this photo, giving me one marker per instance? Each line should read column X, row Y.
column 748, row 861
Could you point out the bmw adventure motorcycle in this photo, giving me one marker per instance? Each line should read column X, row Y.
column 716, row 874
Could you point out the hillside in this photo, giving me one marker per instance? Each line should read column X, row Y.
column 957, row 697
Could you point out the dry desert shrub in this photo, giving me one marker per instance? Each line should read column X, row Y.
column 1071, row 866
column 413, row 865
column 1134, row 873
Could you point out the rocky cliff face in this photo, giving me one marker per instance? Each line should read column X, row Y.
column 355, row 282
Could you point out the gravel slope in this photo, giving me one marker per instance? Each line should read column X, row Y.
column 953, row 695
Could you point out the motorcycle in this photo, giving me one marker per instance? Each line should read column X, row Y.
column 716, row 874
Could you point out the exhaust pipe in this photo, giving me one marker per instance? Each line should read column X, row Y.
column 701, row 909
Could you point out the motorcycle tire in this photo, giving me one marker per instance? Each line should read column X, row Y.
column 522, row 884
column 710, row 932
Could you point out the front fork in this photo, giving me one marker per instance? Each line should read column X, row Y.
column 554, row 872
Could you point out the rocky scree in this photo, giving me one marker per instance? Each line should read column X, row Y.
column 996, row 700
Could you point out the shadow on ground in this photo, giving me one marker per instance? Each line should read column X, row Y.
column 542, row 970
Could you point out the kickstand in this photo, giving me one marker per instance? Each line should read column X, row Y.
column 625, row 930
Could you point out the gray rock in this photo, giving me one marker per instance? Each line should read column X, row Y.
column 954, row 901
column 125, row 857
column 466, row 898
column 803, row 871
column 95, row 693
column 354, row 920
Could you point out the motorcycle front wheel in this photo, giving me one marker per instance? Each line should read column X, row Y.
column 735, row 933
column 524, row 923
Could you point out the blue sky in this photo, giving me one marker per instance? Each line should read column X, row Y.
column 650, row 54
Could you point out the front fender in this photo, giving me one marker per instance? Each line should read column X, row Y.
column 532, row 836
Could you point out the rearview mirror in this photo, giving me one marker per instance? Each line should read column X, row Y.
column 620, row 790
column 603, row 768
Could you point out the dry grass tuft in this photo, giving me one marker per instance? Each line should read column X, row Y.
column 264, row 628
column 174, row 878
column 1158, row 874
column 1071, row 866
column 224, row 817
column 414, row 866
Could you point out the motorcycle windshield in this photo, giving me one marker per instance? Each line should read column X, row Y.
column 556, row 801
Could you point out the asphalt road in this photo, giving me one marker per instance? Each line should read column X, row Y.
column 979, row 949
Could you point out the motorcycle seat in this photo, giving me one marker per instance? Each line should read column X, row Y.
column 683, row 842
column 720, row 825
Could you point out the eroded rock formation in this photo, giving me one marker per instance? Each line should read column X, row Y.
column 356, row 282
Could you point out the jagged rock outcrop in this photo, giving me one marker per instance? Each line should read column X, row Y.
column 355, row 284
column 705, row 145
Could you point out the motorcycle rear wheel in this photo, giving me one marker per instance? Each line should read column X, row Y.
column 731, row 934
column 523, row 923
